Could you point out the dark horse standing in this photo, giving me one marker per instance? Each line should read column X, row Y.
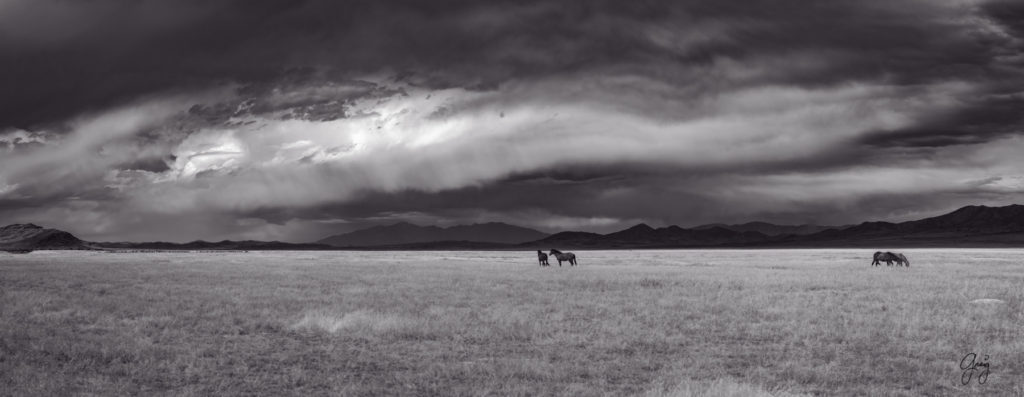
column 542, row 258
column 564, row 257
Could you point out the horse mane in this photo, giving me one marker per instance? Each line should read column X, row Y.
column 556, row 251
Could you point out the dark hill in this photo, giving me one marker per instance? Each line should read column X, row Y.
column 771, row 229
column 225, row 245
column 32, row 237
column 644, row 236
column 967, row 226
column 973, row 226
column 565, row 239
column 975, row 219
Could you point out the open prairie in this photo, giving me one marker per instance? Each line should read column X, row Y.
column 650, row 323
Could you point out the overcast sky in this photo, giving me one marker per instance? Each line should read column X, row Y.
column 291, row 120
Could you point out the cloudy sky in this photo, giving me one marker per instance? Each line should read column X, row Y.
column 180, row 120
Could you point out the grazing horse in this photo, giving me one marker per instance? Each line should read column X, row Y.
column 887, row 257
column 567, row 257
column 542, row 258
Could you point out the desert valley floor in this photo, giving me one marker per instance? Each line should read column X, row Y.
column 649, row 323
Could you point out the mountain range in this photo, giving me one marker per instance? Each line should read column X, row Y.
column 644, row 236
column 244, row 245
column 770, row 229
column 971, row 226
column 968, row 226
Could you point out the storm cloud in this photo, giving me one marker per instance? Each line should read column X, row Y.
column 290, row 120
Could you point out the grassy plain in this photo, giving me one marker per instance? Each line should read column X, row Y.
column 649, row 323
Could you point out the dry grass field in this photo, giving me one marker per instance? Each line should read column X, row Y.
column 648, row 323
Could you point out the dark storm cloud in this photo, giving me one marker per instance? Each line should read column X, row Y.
column 61, row 58
column 271, row 119
column 977, row 120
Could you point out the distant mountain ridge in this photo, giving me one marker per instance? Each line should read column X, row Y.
column 406, row 233
column 225, row 245
column 644, row 236
column 969, row 220
column 971, row 226
column 771, row 229
column 27, row 237
column 975, row 225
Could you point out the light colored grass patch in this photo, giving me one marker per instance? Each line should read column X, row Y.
column 722, row 387
column 357, row 321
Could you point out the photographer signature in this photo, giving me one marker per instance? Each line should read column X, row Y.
column 971, row 366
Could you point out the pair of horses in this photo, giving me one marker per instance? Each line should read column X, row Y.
column 889, row 258
column 559, row 255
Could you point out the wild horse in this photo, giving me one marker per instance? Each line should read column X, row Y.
column 889, row 258
column 564, row 257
